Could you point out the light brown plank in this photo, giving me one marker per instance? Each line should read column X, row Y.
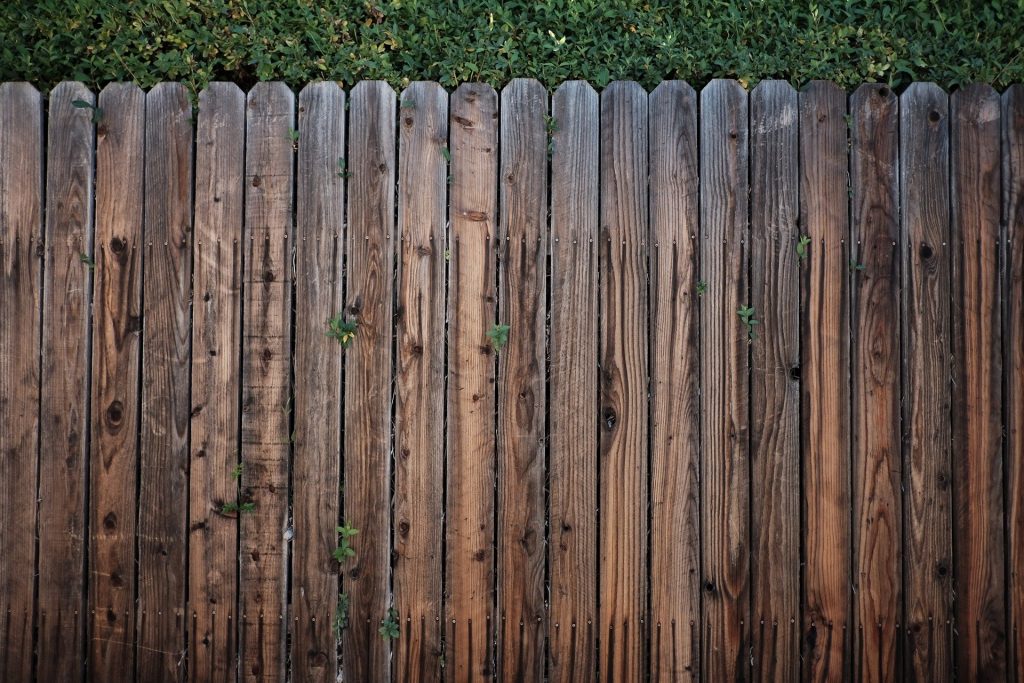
column 675, row 383
column 978, row 570
column 316, row 468
column 166, row 338
column 471, row 395
column 775, row 381
column 21, row 250
column 216, row 382
column 370, row 252
column 266, row 378
column 927, row 553
column 725, row 367
column 420, row 380
column 64, row 410
column 825, row 373
column 572, row 636
column 116, row 392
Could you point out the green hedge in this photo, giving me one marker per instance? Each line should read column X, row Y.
column 195, row 41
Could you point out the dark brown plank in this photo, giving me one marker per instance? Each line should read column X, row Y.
column 675, row 383
column 775, row 381
column 927, row 552
column 64, row 409
column 116, row 392
column 266, row 378
column 216, row 382
column 469, row 518
column 980, row 645
column 825, row 373
column 166, row 338
column 21, row 230
column 875, row 374
column 725, row 367
column 316, row 465
column 521, row 371
column 370, row 252
column 572, row 385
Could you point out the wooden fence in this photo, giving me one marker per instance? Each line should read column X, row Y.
column 760, row 413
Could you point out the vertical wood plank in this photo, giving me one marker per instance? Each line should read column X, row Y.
column 924, row 194
column 420, row 380
column 21, row 249
column 624, row 365
column 316, row 468
column 166, row 341
column 473, row 209
column 775, row 386
column 875, row 374
column 675, row 385
column 266, row 378
column 825, row 373
column 116, row 392
column 522, row 367
column 572, row 384
column 216, row 376
column 977, row 385
column 725, row 466
column 369, row 286
column 64, row 409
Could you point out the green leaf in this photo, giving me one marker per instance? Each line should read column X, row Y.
column 498, row 335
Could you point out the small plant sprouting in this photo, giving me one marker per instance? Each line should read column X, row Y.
column 341, row 614
column 702, row 288
column 342, row 330
column 97, row 113
column 344, row 549
column 856, row 266
column 498, row 335
column 233, row 507
column 447, row 154
column 87, row 260
column 551, row 125
column 849, row 120
column 389, row 625
column 801, row 246
column 343, row 172
column 236, row 471
column 293, row 135
column 746, row 314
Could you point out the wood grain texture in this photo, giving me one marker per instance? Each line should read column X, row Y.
column 522, row 366
column 875, row 373
column 825, row 373
column 316, row 468
column 166, row 341
column 267, row 401
column 369, row 286
column 675, row 383
column 469, row 582
column 216, row 382
column 775, row 381
column 420, row 380
column 977, row 386
column 572, row 384
column 725, row 364
column 924, row 196
column 116, row 391
column 64, row 409
column 21, row 251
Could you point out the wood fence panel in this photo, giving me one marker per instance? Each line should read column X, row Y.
column 316, row 468
column 64, row 410
column 166, row 404
column 420, row 380
column 924, row 196
column 21, row 251
column 266, row 379
column 725, row 365
column 675, row 383
column 572, row 384
column 370, row 251
column 469, row 575
column 825, row 376
column 622, row 482
column 775, row 260
column 977, row 386
column 875, row 373
column 216, row 382
column 116, row 390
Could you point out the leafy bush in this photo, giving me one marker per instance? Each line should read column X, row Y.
column 196, row 41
